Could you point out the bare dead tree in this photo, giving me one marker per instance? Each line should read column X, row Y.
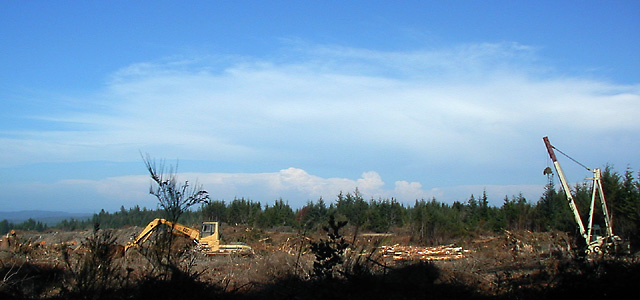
column 173, row 197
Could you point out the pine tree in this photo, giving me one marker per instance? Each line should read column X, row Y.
column 627, row 209
column 214, row 211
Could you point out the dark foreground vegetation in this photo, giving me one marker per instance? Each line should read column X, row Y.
column 415, row 281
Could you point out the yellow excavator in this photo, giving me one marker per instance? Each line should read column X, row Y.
column 208, row 239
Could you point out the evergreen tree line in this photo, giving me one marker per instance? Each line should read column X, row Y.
column 29, row 224
column 428, row 221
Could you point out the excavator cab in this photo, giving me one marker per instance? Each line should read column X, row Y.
column 208, row 229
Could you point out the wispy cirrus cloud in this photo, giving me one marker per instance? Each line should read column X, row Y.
column 427, row 119
column 459, row 97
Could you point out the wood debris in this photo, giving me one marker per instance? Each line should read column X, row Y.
column 445, row 252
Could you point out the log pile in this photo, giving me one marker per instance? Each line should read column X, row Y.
column 445, row 252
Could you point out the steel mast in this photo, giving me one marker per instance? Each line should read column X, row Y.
column 567, row 191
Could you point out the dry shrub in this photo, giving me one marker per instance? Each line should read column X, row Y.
column 24, row 280
column 95, row 269
column 164, row 256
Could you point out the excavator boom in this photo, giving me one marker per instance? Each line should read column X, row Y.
column 176, row 228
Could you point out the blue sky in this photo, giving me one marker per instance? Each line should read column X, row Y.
column 304, row 99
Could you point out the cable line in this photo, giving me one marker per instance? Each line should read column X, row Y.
column 571, row 158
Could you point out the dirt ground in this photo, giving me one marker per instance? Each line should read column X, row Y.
column 494, row 264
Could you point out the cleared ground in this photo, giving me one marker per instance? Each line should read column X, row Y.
column 497, row 265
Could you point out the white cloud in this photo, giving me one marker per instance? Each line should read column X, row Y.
column 411, row 190
column 294, row 185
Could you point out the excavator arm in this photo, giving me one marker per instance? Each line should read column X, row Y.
column 176, row 228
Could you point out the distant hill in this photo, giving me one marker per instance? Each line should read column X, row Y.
column 46, row 217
